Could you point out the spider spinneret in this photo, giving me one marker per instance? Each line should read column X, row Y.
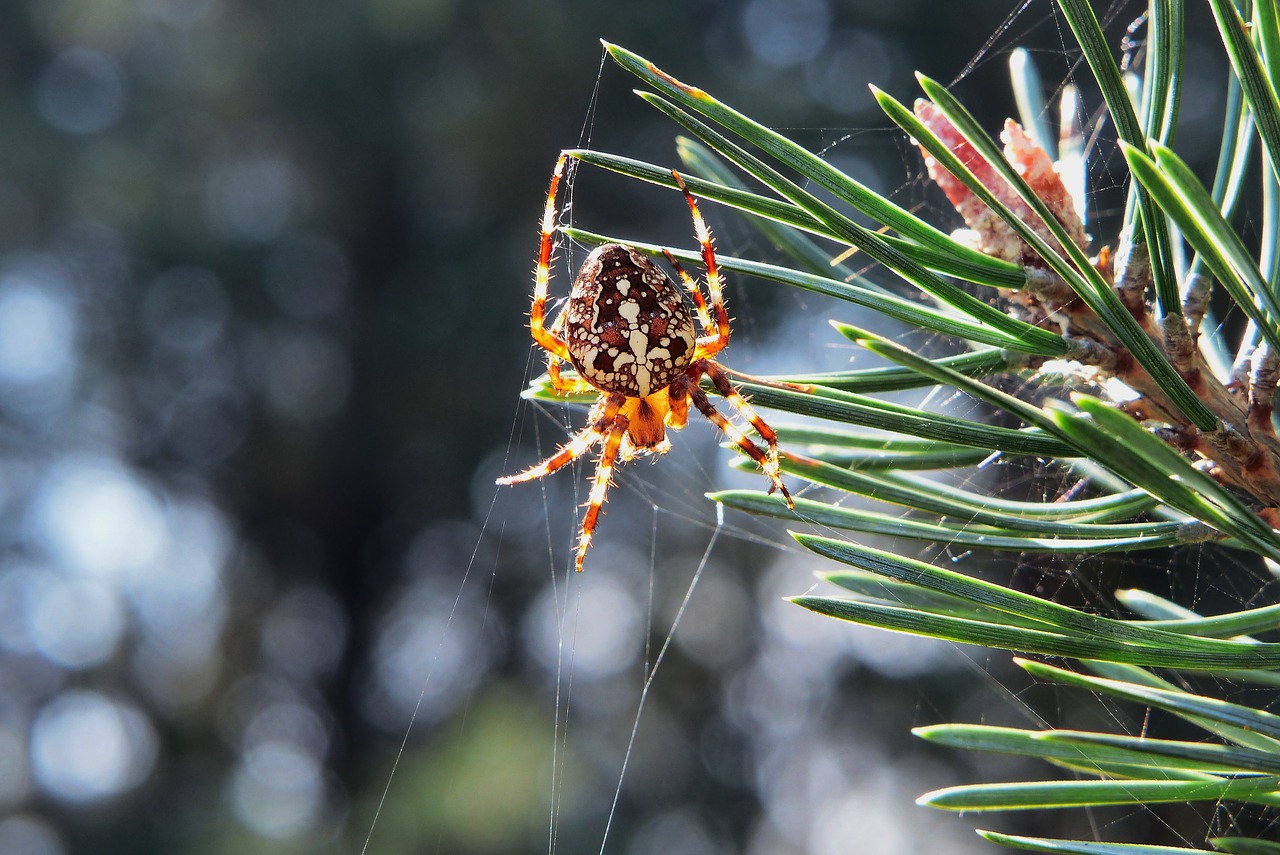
column 630, row 336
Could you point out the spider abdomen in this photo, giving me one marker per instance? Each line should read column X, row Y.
column 627, row 325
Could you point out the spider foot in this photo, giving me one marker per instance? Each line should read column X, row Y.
column 527, row 475
column 584, row 543
column 774, row 472
column 541, row 470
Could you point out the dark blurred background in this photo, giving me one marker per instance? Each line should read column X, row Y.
column 264, row 275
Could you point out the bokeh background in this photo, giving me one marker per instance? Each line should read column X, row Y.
column 264, row 271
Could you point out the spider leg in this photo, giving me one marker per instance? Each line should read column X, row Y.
column 699, row 302
column 549, row 339
column 568, row 385
column 711, row 344
column 768, row 460
column 678, row 399
column 575, row 447
column 600, row 486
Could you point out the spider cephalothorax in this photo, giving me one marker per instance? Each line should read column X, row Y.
column 631, row 337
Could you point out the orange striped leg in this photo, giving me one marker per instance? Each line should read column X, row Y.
column 550, row 340
column 708, row 345
column 600, row 486
column 568, row 385
column 768, row 461
column 678, row 400
column 699, row 302
column 575, row 447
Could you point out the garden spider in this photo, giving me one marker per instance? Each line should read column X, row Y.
column 630, row 335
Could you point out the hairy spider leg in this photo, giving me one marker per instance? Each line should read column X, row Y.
column 576, row 447
column 691, row 285
column 600, row 486
column 678, row 401
column 714, row 342
column 768, row 461
column 568, row 385
column 550, row 340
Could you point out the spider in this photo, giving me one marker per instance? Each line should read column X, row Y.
column 630, row 335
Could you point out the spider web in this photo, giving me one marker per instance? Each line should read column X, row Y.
column 691, row 709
